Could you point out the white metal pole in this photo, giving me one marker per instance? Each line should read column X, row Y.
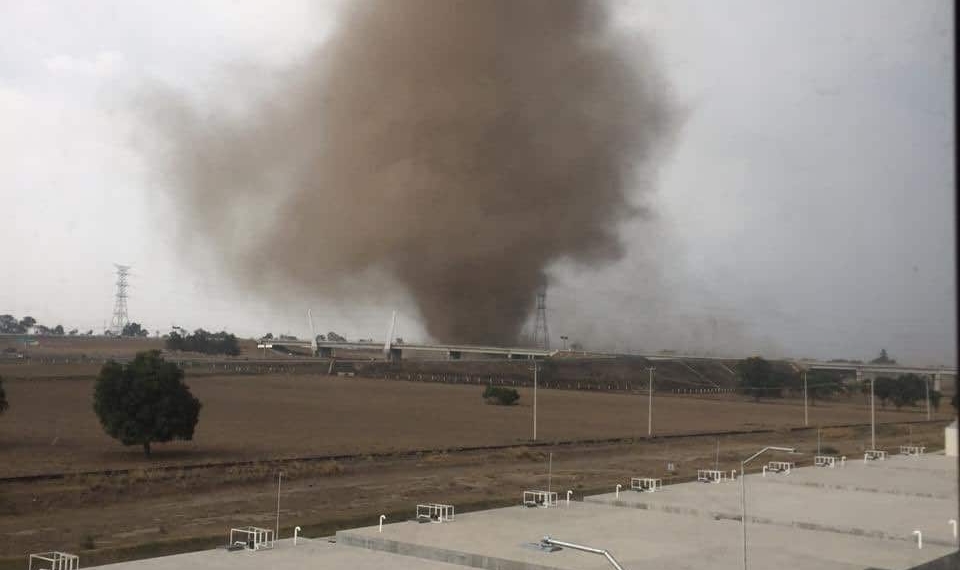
column 743, row 510
column 806, row 418
column 549, row 475
column 534, row 399
column 279, row 480
column 650, row 405
column 873, row 418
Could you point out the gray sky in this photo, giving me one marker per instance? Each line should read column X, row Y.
column 807, row 208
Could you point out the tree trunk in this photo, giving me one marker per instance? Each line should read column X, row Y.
column 146, row 448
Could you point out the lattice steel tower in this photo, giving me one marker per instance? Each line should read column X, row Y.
column 120, row 318
column 541, row 334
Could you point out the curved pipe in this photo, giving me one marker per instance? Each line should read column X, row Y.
column 606, row 554
column 296, row 533
column 382, row 518
column 571, row 492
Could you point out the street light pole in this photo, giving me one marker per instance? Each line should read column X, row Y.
column 534, row 399
column 806, row 417
column 926, row 385
column 743, row 492
column 276, row 535
column 650, row 404
column 873, row 418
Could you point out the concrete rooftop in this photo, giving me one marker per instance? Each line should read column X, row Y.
column 853, row 517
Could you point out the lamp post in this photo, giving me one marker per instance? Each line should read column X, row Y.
column 534, row 399
column 806, row 418
column 650, row 404
column 926, row 385
column 276, row 534
column 873, row 416
column 743, row 492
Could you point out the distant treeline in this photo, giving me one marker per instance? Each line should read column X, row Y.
column 204, row 342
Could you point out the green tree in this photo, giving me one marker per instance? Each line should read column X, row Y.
column 500, row 395
column 10, row 325
column 57, row 330
column 27, row 322
column 3, row 398
column 757, row 379
column 883, row 389
column 935, row 397
column 133, row 329
column 145, row 401
column 823, row 384
column 883, row 358
column 907, row 390
column 204, row 342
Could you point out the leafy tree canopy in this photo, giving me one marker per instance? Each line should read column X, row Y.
column 10, row 325
column 757, row 378
column 145, row 401
column 134, row 329
column 500, row 395
column 3, row 398
column 883, row 358
column 204, row 342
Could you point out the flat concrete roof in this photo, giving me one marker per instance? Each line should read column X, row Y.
column 846, row 518
column 792, row 523
column 775, row 500
column 936, row 477
column 638, row 539
column 306, row 554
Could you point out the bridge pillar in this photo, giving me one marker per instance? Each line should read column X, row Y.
column 453, row 355
column 936, row 382
column 395, row 355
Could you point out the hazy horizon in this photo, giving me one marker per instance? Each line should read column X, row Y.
column 806, row 207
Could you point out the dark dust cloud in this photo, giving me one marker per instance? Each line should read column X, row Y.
column 454, row 147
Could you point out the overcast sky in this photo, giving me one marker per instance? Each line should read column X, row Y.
column 806, row 209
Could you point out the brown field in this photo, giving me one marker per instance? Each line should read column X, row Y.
column 50, row 426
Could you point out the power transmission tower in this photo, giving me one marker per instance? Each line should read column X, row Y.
column 541, row 334
column 120, row 319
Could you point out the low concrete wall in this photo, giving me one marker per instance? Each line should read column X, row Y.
column 358, row 540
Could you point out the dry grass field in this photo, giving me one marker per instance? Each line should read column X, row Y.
column 51, row 427
column 264, row 418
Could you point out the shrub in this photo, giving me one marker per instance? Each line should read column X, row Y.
column 500, row 396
